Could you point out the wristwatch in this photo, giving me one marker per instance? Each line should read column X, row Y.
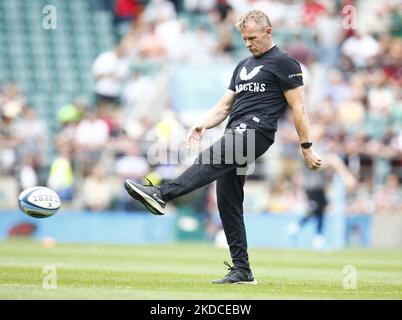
column 306, row 145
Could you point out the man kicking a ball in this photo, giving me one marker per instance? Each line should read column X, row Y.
column 261, row 88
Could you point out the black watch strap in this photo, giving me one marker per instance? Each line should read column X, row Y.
column 306, row 145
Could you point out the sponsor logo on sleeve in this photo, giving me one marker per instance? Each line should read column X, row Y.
column 295, row 75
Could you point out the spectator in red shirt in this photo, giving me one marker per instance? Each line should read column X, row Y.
column 311, row 11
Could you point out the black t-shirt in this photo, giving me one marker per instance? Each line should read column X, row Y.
column 259, row 84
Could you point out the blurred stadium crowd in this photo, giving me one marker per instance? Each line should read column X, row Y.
column 353, row 76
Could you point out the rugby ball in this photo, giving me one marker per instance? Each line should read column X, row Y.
column 39, row 202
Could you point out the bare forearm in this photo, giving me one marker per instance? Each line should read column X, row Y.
column 219, row 112
column 295, row 99
column 214, row 117
column 302, row 123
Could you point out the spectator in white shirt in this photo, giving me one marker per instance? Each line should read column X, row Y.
column 92, row 133
column 361, row 48
column 110, row 70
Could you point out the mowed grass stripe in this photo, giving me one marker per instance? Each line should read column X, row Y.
column 185, row 271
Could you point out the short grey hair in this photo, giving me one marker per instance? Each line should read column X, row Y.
column 257, row 16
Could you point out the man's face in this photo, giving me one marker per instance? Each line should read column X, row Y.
column 256, row 40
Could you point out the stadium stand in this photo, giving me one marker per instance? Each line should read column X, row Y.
column 179, row 56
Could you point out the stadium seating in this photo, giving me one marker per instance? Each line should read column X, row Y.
column 52, row 66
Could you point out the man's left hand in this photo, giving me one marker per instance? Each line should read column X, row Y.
column 312, row 159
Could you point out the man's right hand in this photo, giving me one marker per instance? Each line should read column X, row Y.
column 195, row 135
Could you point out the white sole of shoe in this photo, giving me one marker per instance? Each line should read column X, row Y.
column 154, row 204
column 249, row 283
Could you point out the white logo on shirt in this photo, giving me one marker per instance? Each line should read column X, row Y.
column 247, row 76
column 255, row 119
column 241, row 128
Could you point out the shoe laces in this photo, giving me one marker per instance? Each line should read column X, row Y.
column 231, row 268
column 228, row 265
column 150, row 183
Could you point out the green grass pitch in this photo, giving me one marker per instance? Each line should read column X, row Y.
column 184, row 271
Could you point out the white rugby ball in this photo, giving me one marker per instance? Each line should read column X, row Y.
column 39, row 202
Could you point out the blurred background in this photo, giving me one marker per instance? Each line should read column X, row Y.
column 89, row 87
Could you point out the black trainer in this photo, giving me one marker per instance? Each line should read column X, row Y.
column 236, row 276
column 150, row 196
